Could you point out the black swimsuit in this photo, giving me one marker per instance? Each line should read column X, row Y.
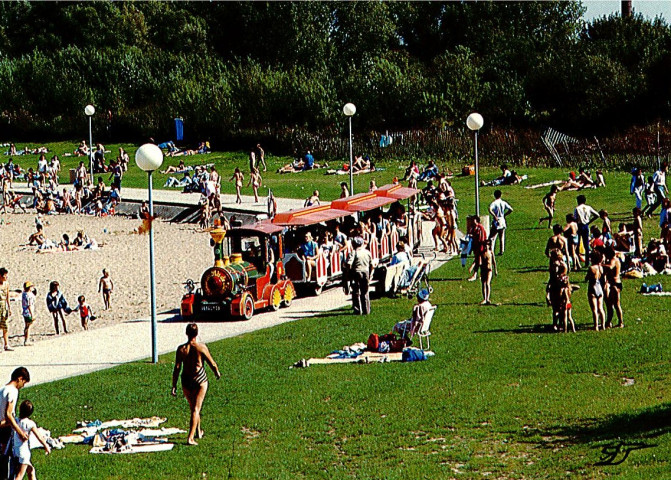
column 193, row 382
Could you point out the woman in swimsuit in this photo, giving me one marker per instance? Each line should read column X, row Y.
column 595, row 290
column 192, row 355
column 611, row 270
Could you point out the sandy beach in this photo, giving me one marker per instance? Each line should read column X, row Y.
column 182, row 252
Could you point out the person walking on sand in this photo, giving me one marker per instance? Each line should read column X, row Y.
column 85, row 311
column 56, row 304
column 190, row 359
column 106, row 285
column 28, row 307
column 5, row 311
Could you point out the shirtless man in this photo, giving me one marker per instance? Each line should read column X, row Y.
column 106, row 285
column 611, row 270
column 192, row 355
column 557, row 241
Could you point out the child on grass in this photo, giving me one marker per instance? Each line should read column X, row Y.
column 255, row 181
column 487, row 268
column 21, row 448
column 85, row 312
column 106, row 285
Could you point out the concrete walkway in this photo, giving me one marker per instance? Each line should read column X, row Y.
column 84, row 352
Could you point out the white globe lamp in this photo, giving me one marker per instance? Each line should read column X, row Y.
column 475, row 121
column 149, row 157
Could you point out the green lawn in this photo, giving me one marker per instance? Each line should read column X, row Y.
column 502, row 398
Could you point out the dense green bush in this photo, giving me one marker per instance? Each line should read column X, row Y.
column 288, row 67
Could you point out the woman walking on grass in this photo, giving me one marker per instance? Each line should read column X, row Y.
column 192, row 356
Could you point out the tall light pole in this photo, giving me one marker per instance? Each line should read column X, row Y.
column 89, row 110
column 474, row 122
column 349, row 110
column 149, row 158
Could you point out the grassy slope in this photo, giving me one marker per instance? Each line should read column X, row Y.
column 501, row 395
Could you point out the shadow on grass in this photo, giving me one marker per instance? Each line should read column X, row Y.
column 538, row 328
column 531, row 269
column 615, row 435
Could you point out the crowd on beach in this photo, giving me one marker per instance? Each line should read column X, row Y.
column 82, row 197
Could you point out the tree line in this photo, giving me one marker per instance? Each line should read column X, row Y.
column 241, row 71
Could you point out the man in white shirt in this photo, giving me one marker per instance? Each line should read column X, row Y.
column 499, row 209
column 661, row 190
column 584, row 215
column 9, row 396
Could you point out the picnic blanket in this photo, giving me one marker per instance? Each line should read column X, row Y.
column 136, row 435
column 546, row 184
column 365, row 356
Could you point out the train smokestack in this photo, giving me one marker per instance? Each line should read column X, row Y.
column 626, row 8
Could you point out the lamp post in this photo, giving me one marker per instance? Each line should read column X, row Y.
column 89, row 110
column 474, row 122
column 149, row 158
column 349, row 110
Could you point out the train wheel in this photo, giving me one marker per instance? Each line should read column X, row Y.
column 289, row 294
column 248, row 307
column 275, row 299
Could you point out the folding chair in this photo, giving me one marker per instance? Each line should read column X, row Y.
column 424, row 331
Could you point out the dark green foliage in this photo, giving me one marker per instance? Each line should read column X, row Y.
column 234, row 67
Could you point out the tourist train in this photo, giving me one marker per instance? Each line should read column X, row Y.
column 258, row 266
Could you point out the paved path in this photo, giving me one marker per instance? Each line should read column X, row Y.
column 84, row 352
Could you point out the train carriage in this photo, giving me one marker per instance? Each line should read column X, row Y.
column 258, row 266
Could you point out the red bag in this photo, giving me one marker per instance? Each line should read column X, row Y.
column 373, row 342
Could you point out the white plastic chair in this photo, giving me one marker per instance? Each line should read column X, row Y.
column 424, row 331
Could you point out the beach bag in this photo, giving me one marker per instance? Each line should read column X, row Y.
column 373, row 342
